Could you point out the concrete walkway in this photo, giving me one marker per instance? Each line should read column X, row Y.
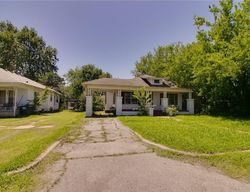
column 107, row 157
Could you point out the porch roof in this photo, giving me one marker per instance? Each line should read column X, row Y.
column 137, row 82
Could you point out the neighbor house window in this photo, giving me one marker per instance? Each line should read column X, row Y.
column 2, row 97
column 11, row 97
column 172, row 99
column 127, row 98
column 51, row 98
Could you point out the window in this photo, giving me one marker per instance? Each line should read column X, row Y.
column 157, row 81
column 11, row 97
column 2, row 97
column 57, row 98
column 51, row 98
column 127, row 98
column 172, row 99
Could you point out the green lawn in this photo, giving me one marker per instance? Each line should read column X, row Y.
column 201, row 134
column 18, row 147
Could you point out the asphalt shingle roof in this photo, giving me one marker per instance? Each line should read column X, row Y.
column 9, row 77
column 135, row 82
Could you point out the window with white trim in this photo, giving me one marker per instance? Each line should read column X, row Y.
column 128, row 98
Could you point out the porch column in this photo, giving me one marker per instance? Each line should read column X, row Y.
column 118, row 103
column 190, row 103
column 89, row 103
column 180, row 101
column 164, row 101
column 15, row 102
column 151, row 111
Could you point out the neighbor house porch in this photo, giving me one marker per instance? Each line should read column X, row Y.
column 124, row 103
column 8, row 97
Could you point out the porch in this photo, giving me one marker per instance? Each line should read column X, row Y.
column 125, row 104
column 8, row 102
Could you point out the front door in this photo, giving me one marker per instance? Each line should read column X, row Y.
column 184, row 101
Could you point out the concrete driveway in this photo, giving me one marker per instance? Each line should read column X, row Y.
column 107, row 157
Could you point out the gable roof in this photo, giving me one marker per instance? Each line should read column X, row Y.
column 141, row 81
column 9, row 77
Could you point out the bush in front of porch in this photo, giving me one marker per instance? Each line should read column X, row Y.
column 144, row 100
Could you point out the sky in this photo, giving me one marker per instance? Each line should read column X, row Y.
column 112, row 35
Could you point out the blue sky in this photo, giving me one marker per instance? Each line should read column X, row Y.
column 112, row 35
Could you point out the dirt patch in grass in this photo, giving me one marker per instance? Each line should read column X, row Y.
column 46, row 126
column 32, row 127
column 24, row 127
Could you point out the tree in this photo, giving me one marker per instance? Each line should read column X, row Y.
column 52, row 80
column 144, row 100
column 171, row 61
column 40, row 98
column 24, row 52
column 223, row 73
column 216, row 66
column 76, row 77
column 98, row 103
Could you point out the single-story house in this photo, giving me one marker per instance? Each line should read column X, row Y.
column 17, row 91
column 119, row 95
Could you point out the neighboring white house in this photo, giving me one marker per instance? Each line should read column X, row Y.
column 17, row 91
column 119, row 95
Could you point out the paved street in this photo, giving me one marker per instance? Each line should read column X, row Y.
column 107, row 157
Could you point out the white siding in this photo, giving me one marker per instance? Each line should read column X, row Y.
column 51, row 102
column 22, row 97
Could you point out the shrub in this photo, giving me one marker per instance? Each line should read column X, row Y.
column 171, row 110
column 144, row 100
column 98, row 104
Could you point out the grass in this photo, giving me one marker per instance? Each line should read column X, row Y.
column 201, row 134
column 28, row 180
column 19, row 147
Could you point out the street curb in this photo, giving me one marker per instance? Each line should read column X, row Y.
column 36, row 161
column 163, row 147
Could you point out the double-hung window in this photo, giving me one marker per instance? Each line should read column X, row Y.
column 172, row 99
column 127, row 98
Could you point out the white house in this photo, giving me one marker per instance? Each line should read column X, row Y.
column 17, row 91
column 119, row 95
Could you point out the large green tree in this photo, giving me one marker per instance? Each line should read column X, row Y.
column 76, row 77
column 223, row 72
column 24, row 52
column 216, row 65
column 53, row 80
